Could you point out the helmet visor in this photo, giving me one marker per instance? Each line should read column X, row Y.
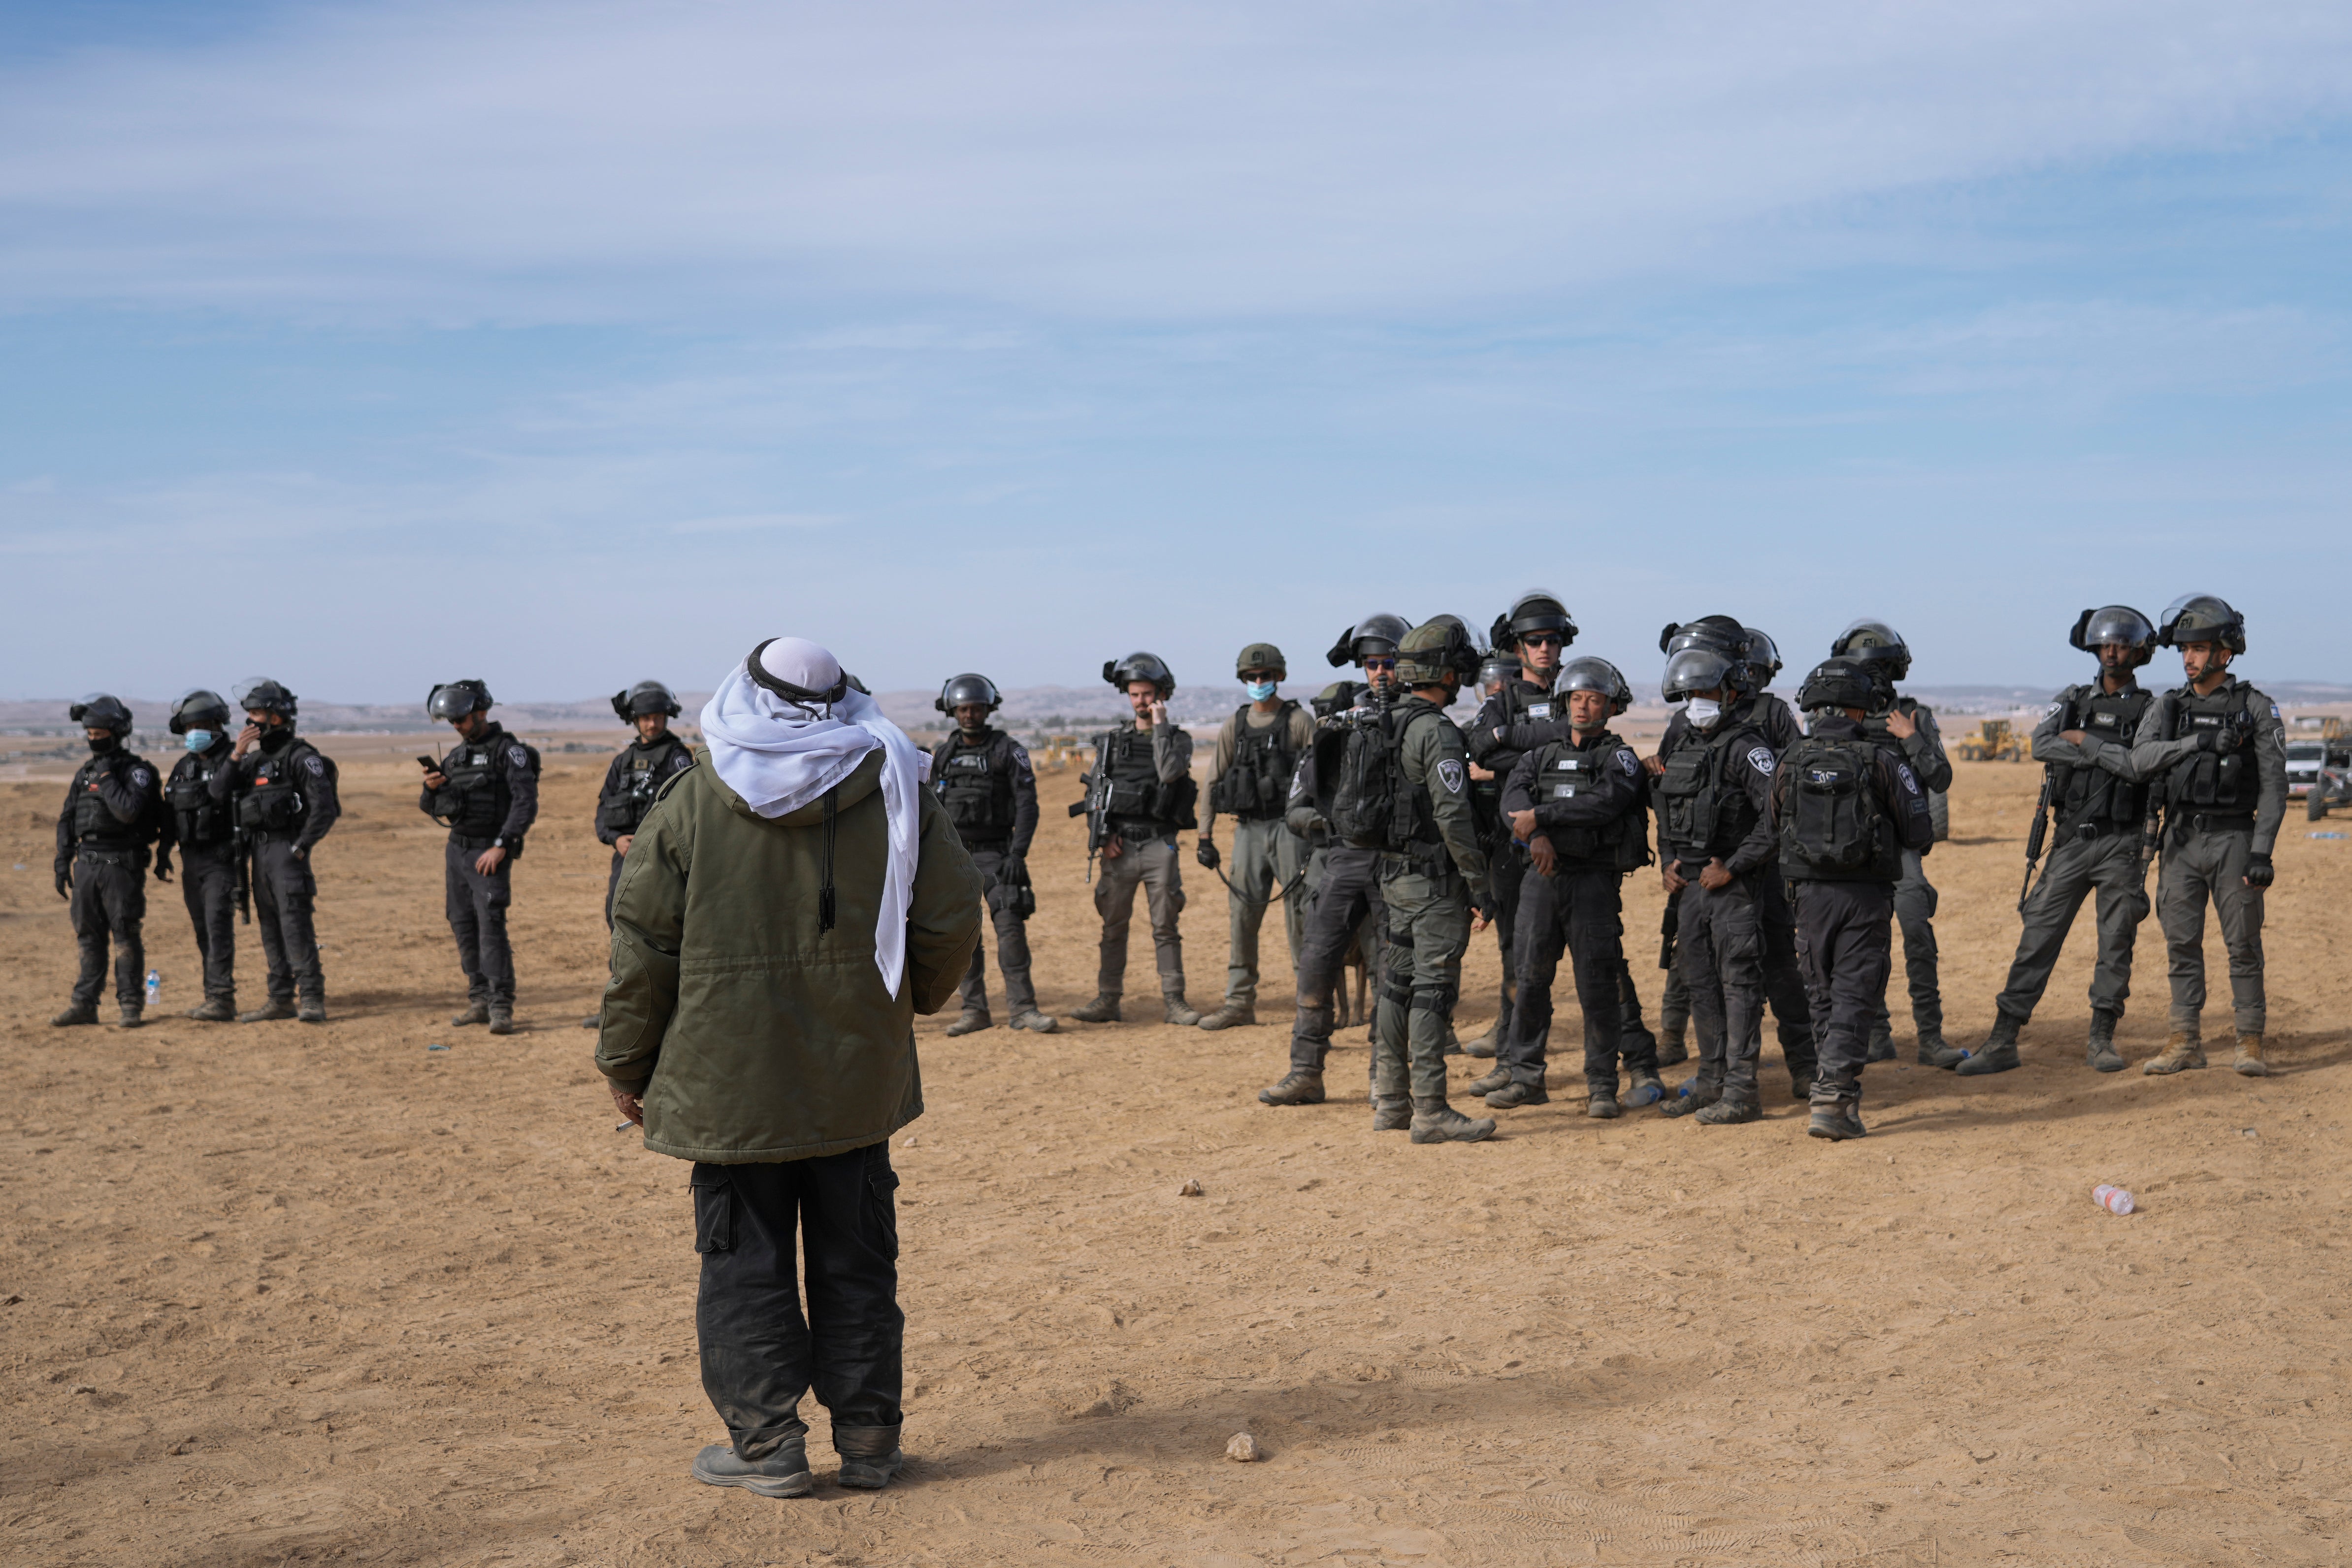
column 452, row 702
column 1695, row 670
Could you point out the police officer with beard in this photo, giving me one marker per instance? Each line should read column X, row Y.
column 203, row 826
column 1911, row 724
column 1845, row 809
column 2097, row 794
column 282, row 789
column 1579, row 805
column 635, row 775
column 113, row 811
column 1257, row 757
column 486, row 791
column 1346, row 887
column 983, row 778
column 1139, row 795
column 2218, row 758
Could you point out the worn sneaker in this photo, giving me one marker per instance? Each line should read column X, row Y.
column 971, row 1023
column 1303, row 1085
column 1034, row 1021
column 783, row 1473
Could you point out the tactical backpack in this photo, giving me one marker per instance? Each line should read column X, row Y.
column 1832, row 828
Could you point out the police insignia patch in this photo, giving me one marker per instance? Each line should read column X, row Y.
column 316, row 767
column 1760, row 758
column 1629, row 762
column 2053, row 710
column 1449, row 773
column 1903, row 772
column 518, row 756
column 139, row 777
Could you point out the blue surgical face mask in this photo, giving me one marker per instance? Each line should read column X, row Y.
column 1259, row 691
column 201, row 740
column 1703, row 712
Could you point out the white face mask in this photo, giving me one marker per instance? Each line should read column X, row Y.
column 1703, row 712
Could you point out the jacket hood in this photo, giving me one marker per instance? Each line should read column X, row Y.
column 863, row 780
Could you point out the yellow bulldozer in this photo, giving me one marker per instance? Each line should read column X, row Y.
column 1996, row 741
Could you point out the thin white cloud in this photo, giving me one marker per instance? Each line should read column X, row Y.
column 527, row 161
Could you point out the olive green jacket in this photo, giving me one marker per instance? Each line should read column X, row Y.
column 751, row 1035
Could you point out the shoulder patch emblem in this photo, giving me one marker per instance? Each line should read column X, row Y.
column 1629, row 762
column 1903, row 772
column 518, row 756
column 141, row 778
column 1761, row 759
column 2274, row 713
column 2053, row 710
column 316, row 767
column 1449, row 773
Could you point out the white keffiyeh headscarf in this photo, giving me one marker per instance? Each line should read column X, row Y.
column 780, row 751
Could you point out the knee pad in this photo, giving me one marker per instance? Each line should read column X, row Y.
column 1397, row 991
column 1434, row 998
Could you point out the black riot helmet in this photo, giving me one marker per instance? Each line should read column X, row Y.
column 2093, row 629
column 1703, row 668
column 1374, row 636
column 454, row 700
column 1721, row 633
column 99, row 711
column 1336, row 698
column 1764, row 654
column 966, row 688
column 1437, row 644
column 1875, row 641
column 197, row 708
column 642, row 699
column 2202, row 617
column 260, row 694
column 1123, row 673
column 1589, row 674
column 1848, row 682
column 1537, row 610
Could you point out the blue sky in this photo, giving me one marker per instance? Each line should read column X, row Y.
column 369, row 345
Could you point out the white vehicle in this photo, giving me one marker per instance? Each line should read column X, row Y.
column 2304, row 760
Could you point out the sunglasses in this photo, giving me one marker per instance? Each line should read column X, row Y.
column 1539, row 639
column 1380, row 664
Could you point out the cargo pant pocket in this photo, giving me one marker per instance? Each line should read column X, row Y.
column 882, row 1202
column 714, row 1209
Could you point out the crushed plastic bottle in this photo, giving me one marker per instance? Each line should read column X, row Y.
column 1647, row 1094
column 154, row 988
column 2112, row 1198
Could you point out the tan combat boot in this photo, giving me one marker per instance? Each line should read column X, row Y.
column 2182, row 1051
column 2249, row 1059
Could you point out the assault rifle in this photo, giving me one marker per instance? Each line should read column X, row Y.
column 1095, row 806
column 242, row 853
column 2034, row 839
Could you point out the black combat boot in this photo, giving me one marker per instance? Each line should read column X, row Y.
column 1511, row 1096
column 501, row 1020
column 1934, row 1051
column 1303, row 1085
column 1998, row 1054
column 1837, row 1120
column 1882, row 1045
column 1390, row 1113
column 869, row 1456
column 1731, row 1108
column 783, row 1473
column 1602, row 1104
column 1671, row 1051
column 215, row 1010
column 77, row 1014
column 2101, row 1054
column 132, row 1016
column 1178, row 1013
column 1103, row 1009
column 269, row 1012
column 1488, row 1082
column 1230, row 1016
column 474, row 1012
column 972, row 1021
column 312, row 1010
column 1034, row 1021
column 1434, row 1121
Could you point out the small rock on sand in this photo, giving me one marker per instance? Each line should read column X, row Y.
column 1243, row 1449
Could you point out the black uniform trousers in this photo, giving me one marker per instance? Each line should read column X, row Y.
column 283, row 893
column 1845, row 942
column 1350, row 891
column 759, row 1351
column 1721, row 953
column 1784, row 981
column 1580, row 913
column 476, row 907
column 109, row 900
column 208, row 884
column 1507, row 867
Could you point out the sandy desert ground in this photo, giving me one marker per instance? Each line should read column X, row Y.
column 283, row 1294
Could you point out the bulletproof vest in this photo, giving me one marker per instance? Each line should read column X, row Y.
column 974, row 780
column 200, row 819
column 1874, row 727
column 1564, row 771
column 93, row 823
column 1133, row 792
column 1833, row 827
column 2222, row 782
column 1701, row 813
column 622, row 808
column 476, row 799
column 2093, row 794
column 1256, row 783
column 1374, row 806
column 272, row 800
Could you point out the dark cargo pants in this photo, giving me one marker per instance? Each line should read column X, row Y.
column 1012, row 940
column 476, row 907
column 1580, row 913
column 1428, row 930
column 109, row 901
column 1914, row 911
column 2109, row 863
column 1148, row 864
column 208, row 887
column 1507, row 867
column 759, row 1353
column 283, row 893
column 1720, row 955
column 1346, row 895
column 1847, row 944
column 2199, row 866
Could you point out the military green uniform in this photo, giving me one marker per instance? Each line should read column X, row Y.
column 1426, row 888
column 1257, row 757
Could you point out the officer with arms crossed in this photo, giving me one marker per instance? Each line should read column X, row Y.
column 1845, row 809
column 1140, row 793
column 636, row 773
column 283, row 788
column 1348, row 887
column 1580, row 805
column 2096, row 791
column 2217, row 760
column 983, row 778
column 1258, row 753
column 113, row 811
column 487, row 792
column 203, row 826
column 1408, row 771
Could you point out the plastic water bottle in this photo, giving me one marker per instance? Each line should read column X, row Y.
column 154, row 988
column 1647, row 1094
column 2112, row 1199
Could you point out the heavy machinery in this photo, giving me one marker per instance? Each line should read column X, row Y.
column 1996, row 741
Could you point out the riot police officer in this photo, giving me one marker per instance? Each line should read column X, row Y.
column 1580, row 806
column 282, row 789
column 983, row 778
column 1346, row 884
column 2218, row 759
column 203, row 826
column 1139, row 795
column 1911, row 725
column 2096, row 791
column 1845, row 808
column 1515, row 718
column 486, row 791
column 635, row 775
column 113, row 811
column 1257, row 757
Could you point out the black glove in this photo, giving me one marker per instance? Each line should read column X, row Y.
column 1206, row 854
column 2208, row 740
column 2258, row 869
column 64, row 879
column 163, row 865
column 1017, row 871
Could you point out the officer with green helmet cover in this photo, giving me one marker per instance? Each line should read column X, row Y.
column 1257, row 757
column 2218, row 762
